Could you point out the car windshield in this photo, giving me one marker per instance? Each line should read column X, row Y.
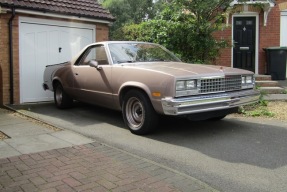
column 139, row 52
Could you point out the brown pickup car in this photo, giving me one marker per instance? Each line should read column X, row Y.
column 144, row 80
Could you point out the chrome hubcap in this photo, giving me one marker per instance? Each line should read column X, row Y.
column 135, row 113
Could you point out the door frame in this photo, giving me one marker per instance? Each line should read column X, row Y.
column 283, row 43
column 48, row 22
column 248, row 14
column 283, row 14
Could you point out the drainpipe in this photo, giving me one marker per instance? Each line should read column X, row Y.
column 11, row 56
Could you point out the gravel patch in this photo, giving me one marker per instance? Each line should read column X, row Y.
column 279, row 108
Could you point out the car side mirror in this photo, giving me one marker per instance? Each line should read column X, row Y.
column 95, row 64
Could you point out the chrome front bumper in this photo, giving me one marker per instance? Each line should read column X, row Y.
column 211, row 102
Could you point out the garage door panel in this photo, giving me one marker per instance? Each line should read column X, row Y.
column 41, row 61
column 53, row 48
column 29, row 68
column 39, row 46
column 72, row 41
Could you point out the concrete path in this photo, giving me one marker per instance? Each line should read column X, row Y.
column 39, row 157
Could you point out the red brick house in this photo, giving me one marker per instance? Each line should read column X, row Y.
column 36, row 33
column 252, row 26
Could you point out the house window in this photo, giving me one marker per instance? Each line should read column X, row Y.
column 238, row 22
column 249, row 22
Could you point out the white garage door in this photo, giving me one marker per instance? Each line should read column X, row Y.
column 44, row 43
column 283, row 32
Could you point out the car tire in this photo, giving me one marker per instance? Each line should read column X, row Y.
column 138, row 113
column 62, row 100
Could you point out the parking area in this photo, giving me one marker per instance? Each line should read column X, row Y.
column 35, row 156
column 235, row 154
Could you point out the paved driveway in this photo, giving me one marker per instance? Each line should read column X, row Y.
column 236, row 154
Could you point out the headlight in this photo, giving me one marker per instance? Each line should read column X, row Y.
column 243, row 79
column 247, row 81
column 180, row 85
column 186, row 87
column 190, row 84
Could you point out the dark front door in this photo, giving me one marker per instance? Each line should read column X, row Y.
column 244, row 43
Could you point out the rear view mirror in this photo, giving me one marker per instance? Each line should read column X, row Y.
column 95, row 64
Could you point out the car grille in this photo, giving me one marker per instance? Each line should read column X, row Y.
column 229, row 83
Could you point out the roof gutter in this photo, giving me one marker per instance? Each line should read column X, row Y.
column 79, row 18
column 11, row 55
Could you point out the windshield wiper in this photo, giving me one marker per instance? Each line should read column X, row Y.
column 125, row 61
column 154, row 60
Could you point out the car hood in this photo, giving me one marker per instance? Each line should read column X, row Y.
column 185, row 69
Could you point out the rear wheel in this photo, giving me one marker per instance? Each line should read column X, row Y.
column 62, row 100
column 138, row 113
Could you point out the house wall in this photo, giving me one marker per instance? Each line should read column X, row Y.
column 102, row 34
column 269, row 36
column 4, row 58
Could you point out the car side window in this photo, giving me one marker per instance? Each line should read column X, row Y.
column 95, row 53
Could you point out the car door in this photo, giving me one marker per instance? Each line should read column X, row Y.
column 92, row 84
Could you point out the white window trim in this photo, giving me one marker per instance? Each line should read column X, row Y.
column 249, row 14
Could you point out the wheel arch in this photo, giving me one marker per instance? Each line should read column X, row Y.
column 133, row 85
column 55, row 82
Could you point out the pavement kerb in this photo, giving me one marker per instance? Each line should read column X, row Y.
column 206, row 186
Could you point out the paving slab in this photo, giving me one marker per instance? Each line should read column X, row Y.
column 7, row 151
column 28, row 136
column 24, row 129
column 37, row 143
column 275, row 97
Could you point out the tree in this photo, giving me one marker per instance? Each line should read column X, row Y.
column 129, row 11
column 183, row 26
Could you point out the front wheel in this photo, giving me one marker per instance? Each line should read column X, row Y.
column 138, row 113
column 62, row 100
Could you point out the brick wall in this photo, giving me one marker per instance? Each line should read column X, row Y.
column 224, row 58
column 268, row 36
column 102, row 34
column 1, row 48
column 5, row 61
column 4, row 58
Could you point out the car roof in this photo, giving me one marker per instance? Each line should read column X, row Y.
column 116, row 42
